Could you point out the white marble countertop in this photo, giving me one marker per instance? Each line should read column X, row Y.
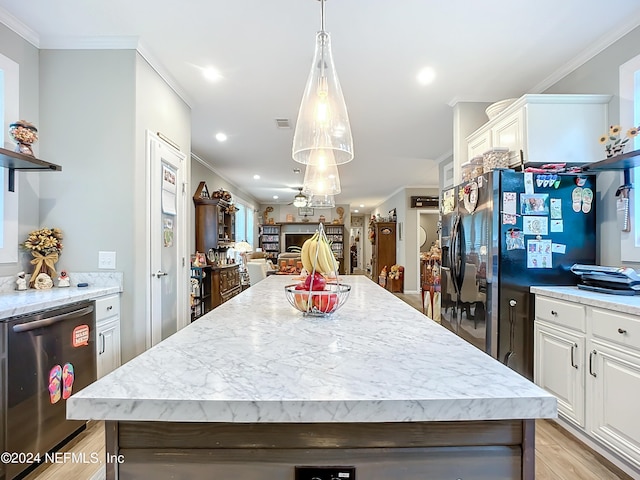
column 619, row 303
column 13, row 302
column 257, row 359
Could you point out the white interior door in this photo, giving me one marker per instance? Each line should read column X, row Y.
column 168, row 275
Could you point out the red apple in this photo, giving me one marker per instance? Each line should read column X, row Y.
column 325, row 302
column 315, row 281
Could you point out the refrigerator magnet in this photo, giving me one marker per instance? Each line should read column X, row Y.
column 534, row 203
column 528, row 182
column 539, row 254
column 514, row 239
column 558, row 248
column 587, row 199
column 508, row 219
column 557, row 226
column 509, row 202
column 576, row 199
column 556, row 208
column 535, row 225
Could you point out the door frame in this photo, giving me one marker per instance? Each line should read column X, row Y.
column 422, row 211
column 152, row 141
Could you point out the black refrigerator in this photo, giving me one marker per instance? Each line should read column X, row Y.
column 502, row 233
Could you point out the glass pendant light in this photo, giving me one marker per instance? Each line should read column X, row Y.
column 322, row 129
column 321, row 201
column 322, row 179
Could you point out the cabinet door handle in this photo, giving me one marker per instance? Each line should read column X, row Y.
column 101, row 344
column 554, row 313
column 591, row 355
column 110, row 307
column 573, row 348
column 621, row 331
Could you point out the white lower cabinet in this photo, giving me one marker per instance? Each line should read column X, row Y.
column 614, row 391
column 559, row 369
column 108, row 334
column 594, row 373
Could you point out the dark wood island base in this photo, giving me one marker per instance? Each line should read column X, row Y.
column 478, row 450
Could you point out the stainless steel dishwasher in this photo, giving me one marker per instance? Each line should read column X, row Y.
column 48, row 356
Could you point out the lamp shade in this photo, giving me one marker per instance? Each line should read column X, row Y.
column 322, row 201
column 242, row 247
column 321, row 179
column 323, row 125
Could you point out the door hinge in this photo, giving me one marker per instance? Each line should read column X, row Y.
column 184, row 187
column 183, row 262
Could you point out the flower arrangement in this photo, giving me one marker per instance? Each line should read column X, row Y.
column 231, row 208
column 613, row 142
column 44, row 241
column 45, row 246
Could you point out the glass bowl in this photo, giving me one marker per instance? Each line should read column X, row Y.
column 318, row 302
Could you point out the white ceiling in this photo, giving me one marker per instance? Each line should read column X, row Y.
column 481, row 51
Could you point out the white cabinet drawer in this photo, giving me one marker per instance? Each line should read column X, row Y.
column 107, row 307
column 616, row 327
column 559, row 312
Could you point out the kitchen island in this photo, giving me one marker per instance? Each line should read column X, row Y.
column 254, row 388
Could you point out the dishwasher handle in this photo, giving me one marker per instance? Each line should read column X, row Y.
column 45, row 322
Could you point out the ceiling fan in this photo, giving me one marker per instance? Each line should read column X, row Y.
column 300, row 200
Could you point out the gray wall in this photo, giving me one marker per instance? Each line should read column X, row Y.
column 28, row 184
column 204, row 173
column 600, row 75
column 95, row 108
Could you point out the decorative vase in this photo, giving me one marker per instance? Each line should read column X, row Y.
column 43, row 264
column 615, row 151
column 24, row 134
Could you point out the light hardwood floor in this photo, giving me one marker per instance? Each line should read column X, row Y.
column 559, row 456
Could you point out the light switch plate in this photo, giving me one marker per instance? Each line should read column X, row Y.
column 107, row 260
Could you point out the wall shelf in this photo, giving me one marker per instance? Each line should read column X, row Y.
column 619, row 162
column 18, row 161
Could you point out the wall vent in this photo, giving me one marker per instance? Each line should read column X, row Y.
column 283, row 123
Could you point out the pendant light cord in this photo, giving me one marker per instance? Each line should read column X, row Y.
column 322, row 16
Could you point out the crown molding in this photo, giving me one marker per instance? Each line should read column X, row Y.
column 583, row 57
column 90, row 42
column 20, row 28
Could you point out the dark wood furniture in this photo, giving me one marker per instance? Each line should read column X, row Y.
column 215, row 225
column 269, row 240
column 335, row 235
column 383, row 249
column 497, row 449
column 225, row 283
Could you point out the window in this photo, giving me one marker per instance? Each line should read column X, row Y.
column 9, row 94
column 244, row 224
column 630, row 115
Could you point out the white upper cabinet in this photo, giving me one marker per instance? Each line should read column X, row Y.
column 547, row 129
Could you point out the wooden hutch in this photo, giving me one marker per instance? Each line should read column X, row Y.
column 215, row 233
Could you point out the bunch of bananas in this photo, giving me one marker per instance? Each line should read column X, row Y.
column 317, row 252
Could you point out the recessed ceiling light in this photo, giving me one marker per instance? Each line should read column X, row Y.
column 426, row 76
column 212, row 74
column 221, row 137
column 275, row 197
column 356, row 211
column 361, row 205
column 256, row 177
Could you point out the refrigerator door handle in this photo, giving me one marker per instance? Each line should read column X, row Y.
column 455, row 244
